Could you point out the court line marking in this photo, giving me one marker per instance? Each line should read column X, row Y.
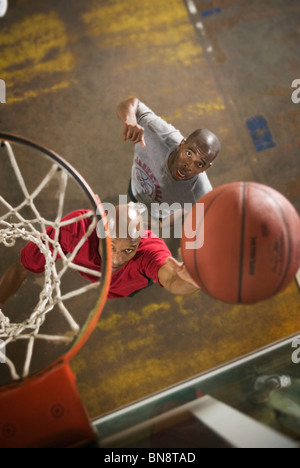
column 191, row 7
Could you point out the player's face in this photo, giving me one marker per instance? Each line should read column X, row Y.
column 188, row 161
column 123, row 250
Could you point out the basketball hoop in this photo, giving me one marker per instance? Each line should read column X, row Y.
column 45, row 394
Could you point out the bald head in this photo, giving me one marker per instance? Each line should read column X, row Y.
column 126, row 229
column 125, row 222
column 207, row 141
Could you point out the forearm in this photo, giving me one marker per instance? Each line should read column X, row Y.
column 179, row 287
column 126, row 111
column 173, row 277
column 11, row 281
column 176, row 282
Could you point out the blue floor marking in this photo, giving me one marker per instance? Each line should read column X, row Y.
column 211, row 12
column 260, row 132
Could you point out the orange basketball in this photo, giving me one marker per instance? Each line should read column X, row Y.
column 251, row 248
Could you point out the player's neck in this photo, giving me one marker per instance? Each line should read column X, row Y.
column 172, row 158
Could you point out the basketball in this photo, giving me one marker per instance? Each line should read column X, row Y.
column 251, row 248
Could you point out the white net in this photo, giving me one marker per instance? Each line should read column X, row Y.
column 14, row 226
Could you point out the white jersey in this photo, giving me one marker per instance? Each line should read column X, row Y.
column 151, row 181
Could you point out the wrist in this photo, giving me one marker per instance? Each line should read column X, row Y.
column 130, row 120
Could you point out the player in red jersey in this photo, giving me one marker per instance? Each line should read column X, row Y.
column 139, row 258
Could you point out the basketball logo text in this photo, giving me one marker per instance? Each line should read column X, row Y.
column 2, row 91
column 2, row 352
column 296, row 353
column 253, row 250
column 296, row 93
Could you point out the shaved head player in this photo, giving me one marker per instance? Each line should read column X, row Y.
column 167, row 167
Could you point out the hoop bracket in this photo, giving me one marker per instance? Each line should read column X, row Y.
column 45, row 412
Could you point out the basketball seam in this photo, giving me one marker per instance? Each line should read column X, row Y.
column 203, row 285
column 242, row 246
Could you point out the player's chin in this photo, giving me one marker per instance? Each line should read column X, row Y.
column 179, row 176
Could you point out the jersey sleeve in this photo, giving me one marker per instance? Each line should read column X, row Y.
column 166, row 131
column 69, row 236
column 202, row 187
column 31, row 256
column 155, row 254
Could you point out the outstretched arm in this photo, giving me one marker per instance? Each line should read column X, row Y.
column 132, row 131
column 174, row 277
column 11, row 281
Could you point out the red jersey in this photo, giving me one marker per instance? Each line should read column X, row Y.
column 136, row 274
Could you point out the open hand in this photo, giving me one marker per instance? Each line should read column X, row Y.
column 181, row 271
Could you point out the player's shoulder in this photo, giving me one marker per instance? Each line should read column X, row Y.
column 77, row 220
column 150, row 242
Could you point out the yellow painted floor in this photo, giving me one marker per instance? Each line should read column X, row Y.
column 67, row 64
